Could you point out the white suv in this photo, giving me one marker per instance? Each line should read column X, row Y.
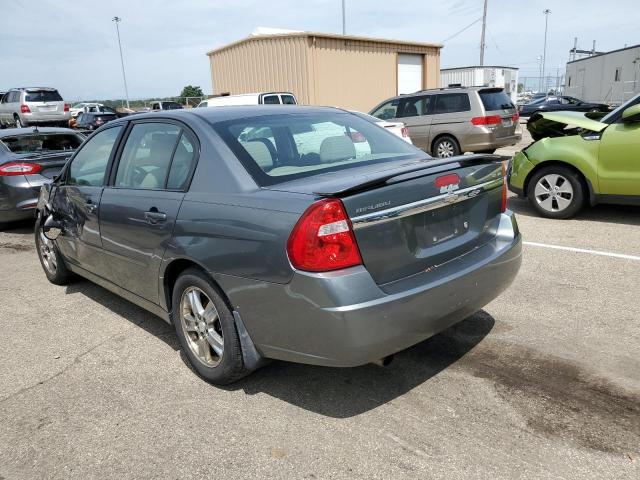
column 33, row 106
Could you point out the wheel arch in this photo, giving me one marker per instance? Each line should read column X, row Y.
column 586, row 184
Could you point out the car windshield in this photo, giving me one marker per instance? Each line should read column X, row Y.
column 42, row 96
column 42, row 142
column 495, row 100
column 278, row 148
column 614, row 115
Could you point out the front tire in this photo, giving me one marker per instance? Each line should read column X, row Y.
column 51, row 259
column 446, row 147
column 206, row 329
column 556, row 192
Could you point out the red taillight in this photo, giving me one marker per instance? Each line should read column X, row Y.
column 446, row 180
column 503, row 207
column 19, row 168
column 66, row 107
column 357, row 137
column 323, row 239
column 490, row 120
column 516, row 117
column 25, row 109
column 405, row 132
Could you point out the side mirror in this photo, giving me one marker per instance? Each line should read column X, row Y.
column 631, row 114
column 52, row 228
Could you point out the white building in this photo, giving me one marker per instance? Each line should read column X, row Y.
column 612, row 77
column 488, row 75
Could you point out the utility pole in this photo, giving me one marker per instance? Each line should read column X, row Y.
column 124, row 77
column 539, row 58
column 344, row 21
column 484, row 26
column 544, row 52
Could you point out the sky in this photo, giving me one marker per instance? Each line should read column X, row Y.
column 72, row 45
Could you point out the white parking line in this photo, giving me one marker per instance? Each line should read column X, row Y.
column 584, row 250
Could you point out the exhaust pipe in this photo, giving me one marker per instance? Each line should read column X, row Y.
column 384, row 361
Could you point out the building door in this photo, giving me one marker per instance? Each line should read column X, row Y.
column 409, row 73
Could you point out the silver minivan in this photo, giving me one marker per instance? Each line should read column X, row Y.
column 33, row 106
column 450, row 121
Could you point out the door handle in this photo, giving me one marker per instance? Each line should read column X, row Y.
column 153, row 216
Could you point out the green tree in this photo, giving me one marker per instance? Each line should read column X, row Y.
column 520, row 87
column 192, row 91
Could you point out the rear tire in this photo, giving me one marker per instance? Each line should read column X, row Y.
column 19, row 123
column 51, row 259
column 556, row 192
column 445, row 147
column 206, row 329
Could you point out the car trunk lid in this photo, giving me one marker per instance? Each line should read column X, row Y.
column 416, row 216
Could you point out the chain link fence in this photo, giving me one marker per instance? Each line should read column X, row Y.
column 145, row 103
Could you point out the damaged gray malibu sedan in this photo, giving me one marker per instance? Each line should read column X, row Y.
column 294, row 233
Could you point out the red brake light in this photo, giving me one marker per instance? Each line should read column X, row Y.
column 503, row 207
column 446, row 180
column 357, row 137
column 19, row 168
column 405, row 132
column 323, row 239
column 490, row 120
column 516, row 117
column 25, row 109
column 66, row 107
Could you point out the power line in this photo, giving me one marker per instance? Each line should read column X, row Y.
column 463, row 30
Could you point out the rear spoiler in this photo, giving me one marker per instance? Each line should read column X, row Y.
column 426, row 167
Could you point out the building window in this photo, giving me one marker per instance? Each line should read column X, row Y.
column 617, row 75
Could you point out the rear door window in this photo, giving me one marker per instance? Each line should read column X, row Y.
column 414, row 106
column 288, row 99
column 89, row 166
column 42, row 96
column 452, row 103
column 495, row 100
column 270, row 100
column 146, row 157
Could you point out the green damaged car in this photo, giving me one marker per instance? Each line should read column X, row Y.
column 578, row 158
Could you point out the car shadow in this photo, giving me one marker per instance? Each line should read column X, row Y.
column 621, row 214
column 23, row 227
column 127, row 310
column 347, row 392
column 332, row 392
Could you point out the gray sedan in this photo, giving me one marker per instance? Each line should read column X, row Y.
column 294, row 233
column 29, row 158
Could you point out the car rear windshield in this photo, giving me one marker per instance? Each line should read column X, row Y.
column 42, row 96
column 42, row 142
column 278, row 148
column 495, row 100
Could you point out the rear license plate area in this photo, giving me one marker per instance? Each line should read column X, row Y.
column 442, row 224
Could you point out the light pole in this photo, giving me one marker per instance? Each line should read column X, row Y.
column 544, row 52
column 344, row 21
column 484, row 26
column 539, row 58
column 124, row 77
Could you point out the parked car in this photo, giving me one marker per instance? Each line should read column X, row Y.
column 93, row 120
column 560, row 103
column 28, row 158
column 449, row 121
column 264, row 98
column 162, row 105
column 397, row 128
column 21, row 107
column 579, row 161
column 82, row 107
column 255, row 251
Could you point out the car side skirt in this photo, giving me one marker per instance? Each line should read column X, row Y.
column 619, row 199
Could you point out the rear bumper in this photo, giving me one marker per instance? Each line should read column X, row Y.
column 490, row 142
column 18, row 198
column 344, row 319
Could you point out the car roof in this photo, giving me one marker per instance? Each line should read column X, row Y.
column 11, row 132
column 224, row 113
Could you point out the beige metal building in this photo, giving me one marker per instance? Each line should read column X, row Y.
column 324, row 69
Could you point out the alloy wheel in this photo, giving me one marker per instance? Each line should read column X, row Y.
column 47, row 253
column 554, row 193
column 445, row 149
column 201, row 326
